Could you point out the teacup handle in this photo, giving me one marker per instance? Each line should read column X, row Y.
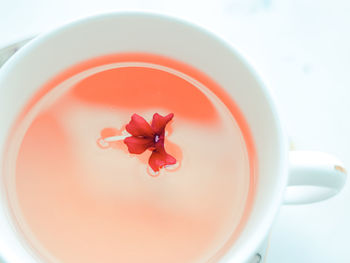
column 313, row 177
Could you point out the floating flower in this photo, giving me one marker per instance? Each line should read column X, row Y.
column 151, row 137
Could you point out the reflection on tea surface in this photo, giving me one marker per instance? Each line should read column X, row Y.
column 78, row 202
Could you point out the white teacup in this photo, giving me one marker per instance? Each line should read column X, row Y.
column 278, row 168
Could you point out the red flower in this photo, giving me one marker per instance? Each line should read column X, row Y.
column 145, row 136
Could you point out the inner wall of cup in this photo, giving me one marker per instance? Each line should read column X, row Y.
column 92, row 37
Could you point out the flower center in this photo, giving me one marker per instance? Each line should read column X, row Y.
column 156, row 138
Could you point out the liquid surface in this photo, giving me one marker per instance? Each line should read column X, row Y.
column 77, row 202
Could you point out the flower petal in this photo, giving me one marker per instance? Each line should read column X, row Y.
column 138, row 126
column 159, row 122
column 160, row 158
column 138, row 145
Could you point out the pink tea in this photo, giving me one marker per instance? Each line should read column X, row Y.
column 76, row 201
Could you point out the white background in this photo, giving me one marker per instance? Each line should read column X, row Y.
column 300, row 47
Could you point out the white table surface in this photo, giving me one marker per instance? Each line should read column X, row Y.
column 302, row 49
